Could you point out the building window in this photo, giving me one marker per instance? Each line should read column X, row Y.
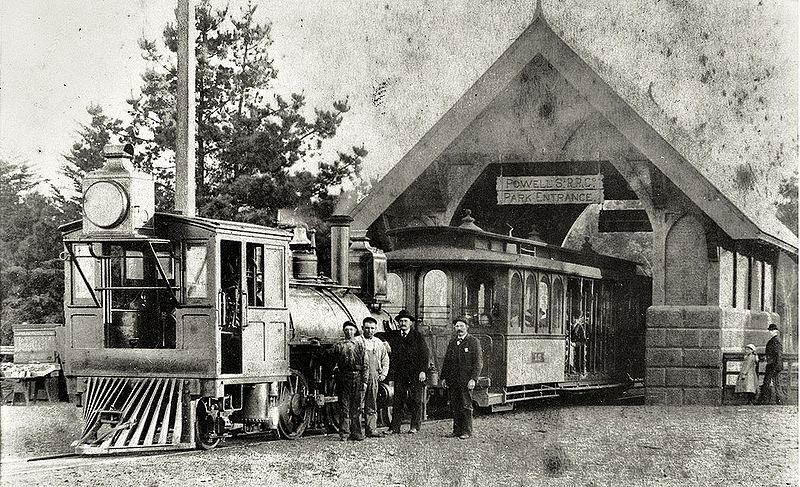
column 755, row 285
column 769, row 287
column 742, row 281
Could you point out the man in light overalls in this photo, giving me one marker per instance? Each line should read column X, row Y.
column 377, row 365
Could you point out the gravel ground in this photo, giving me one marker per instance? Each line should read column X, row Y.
column 541, row 444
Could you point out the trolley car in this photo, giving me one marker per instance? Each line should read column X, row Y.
column 551, row 321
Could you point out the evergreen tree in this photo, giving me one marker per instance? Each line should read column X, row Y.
column 31, row 274
column 256, row 150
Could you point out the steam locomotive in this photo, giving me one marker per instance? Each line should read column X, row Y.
column 180, row 331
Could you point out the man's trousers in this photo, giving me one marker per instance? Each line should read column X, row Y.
column 461, row 407
column 407, row 393
column 349, row 393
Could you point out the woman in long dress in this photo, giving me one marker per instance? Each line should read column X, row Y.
column 747, row 382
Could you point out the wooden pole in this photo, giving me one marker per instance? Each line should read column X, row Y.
column 185, row 134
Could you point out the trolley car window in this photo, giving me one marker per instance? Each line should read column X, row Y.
column 515, row 311
column 435, row 310
column 544, row 306
column 530, row 303
column 255, row 275
column 478, row 298
column 557, row 308
column 196, row 271
column 275, row 276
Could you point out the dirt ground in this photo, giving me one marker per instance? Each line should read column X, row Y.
column 551, row 444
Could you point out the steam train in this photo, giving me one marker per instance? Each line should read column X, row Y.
column 180, row 331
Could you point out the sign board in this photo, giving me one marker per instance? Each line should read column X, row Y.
column 549, row 190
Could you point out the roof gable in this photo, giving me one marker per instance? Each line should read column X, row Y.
column 540, row 39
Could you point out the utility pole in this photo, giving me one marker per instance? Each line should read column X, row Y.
column 184, row 145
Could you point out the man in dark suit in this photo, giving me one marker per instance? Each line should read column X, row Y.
column 409, row 363
column 774, row 355
column 462, row 365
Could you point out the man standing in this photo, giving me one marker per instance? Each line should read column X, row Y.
column 377, row 365
column 351, row 379
column 462, row 365
column 774, row 354
column 409, row 363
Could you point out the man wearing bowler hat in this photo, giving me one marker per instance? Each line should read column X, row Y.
column 774, row 354
column 409, row 363
column 462, row 365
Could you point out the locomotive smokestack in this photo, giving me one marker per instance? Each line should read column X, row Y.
column 185, row 134
column 340, row 247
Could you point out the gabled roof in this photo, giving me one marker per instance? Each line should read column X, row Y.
column 660, row 148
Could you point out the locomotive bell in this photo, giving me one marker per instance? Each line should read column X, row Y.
column 118, row 200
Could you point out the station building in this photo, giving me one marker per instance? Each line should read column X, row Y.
column 722, row 268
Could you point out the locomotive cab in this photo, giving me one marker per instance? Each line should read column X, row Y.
column 177, row 328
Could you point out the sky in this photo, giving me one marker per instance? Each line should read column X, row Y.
column 719, row 73
column 57, row 57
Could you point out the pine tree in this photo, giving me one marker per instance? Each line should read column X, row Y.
column 256, row 150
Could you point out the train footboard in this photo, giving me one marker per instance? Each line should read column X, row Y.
column 135, row 414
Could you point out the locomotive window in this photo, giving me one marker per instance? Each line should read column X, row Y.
column 255, row 275
column 274, row 278
column 515, row 311
column 196, row 271
column 478, row 298
column 530, row 303
column 544, row 306
column 435, row 310
column 88, row 266
column 557, row 307
column 395, row 293
column 142, row 305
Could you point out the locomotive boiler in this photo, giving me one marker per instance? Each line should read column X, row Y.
column 181, row 330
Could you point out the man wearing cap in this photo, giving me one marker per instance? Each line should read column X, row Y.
column 462, row 365
column 409, row 366
column 377, row 365
column 351, row 379
column 774, row 356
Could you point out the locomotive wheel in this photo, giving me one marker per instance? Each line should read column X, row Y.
column 205, row 438
column 294, row 413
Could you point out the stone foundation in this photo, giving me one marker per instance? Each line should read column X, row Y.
column 684, row 347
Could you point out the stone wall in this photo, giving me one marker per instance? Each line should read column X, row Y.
column 684, row 346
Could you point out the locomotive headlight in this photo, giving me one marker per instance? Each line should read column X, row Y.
column 105, row 204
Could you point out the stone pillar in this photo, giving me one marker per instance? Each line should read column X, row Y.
column 683, row 350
